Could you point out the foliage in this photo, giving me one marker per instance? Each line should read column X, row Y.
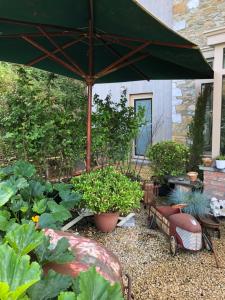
column 23, row 194
column 58, row 254
column 41, row 116
column 196, row 132
column 107, row 190
column 115, row 125
column 50, row 286
column 24, row 238
column 20, row 279
column 168, row 158
column 220, row 157
column 197, row 202
column 17, row 274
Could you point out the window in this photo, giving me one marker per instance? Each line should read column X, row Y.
column 207, row 91
column 144, row 137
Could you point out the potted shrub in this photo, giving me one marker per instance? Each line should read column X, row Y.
column 220, row 162
column 108, row 193
column 167, row 158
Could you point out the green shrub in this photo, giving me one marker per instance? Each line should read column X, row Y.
column 220, row 157
column 168, row 158
column 107, row 190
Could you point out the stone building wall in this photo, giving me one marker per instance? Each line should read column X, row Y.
column 191, row 18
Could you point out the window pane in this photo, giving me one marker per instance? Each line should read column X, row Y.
column 207, row 90
column 144, row 137
column 222, row 132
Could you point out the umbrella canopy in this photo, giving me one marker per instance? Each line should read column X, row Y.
column 97, row 41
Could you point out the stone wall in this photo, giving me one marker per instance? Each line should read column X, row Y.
column 191, row 18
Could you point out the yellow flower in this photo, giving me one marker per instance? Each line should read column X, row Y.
column 35, row 219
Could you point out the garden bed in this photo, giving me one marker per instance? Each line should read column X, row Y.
column 145, row 255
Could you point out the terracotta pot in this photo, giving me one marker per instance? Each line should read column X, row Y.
column 207, row 161
column 192, row 176
column 106, row 222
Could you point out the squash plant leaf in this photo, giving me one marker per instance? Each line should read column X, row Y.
column 6, row 192
column 40, row 206
column 59, row 212
column 95, row 287
column 67, row 296
column 24, row 169
column 16, row 273
column 59, row 254
column 50, row 286
column 24, row 238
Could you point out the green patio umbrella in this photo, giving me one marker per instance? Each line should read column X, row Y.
column 96, row 41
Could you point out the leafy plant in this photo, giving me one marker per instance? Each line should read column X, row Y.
column 197, row 202
column 107, row 190
column 42, row 115
column 46, row 253
column 115, row 125
column 24, row 194
column 50, row 286
column 90, row 285
column 196, row 131
column 168, row 158
column 24, row 238
column 17, row 274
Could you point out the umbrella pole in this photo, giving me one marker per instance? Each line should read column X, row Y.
column 88, row 147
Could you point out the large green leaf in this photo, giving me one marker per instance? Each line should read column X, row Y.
column 59, row 212
column 95, row 287
column 59, row 253
column 6, row 192
column 24, row 238
column 50, row 286
column 24, row 169
column 16, row 273
column 40, row 206
column 18, row 183
column 5, row 221
column 69, row 198
column 18, row 204
column 67, row 296
column 47, row 220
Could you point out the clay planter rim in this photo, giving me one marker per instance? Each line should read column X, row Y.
column 207, row 161
column 106, row 222
column 192, row 175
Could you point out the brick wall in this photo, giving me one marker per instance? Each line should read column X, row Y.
column 214, row 184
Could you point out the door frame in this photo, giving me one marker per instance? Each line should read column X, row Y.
column 132, row 98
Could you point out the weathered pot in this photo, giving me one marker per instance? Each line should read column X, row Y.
column 192, row 176
column 106, row 222
column 207, row 161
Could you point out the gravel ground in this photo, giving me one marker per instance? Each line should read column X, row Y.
column 145, row 256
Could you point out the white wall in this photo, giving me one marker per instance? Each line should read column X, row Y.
column 161, row 89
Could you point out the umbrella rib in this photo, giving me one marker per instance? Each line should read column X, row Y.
column 134, row 68
column 167, row 44
column 116, row 64
column 33, row 24
column 51, row 55
column 42, row 57
column 37, row 34
column 125, row 64
column 70, row 60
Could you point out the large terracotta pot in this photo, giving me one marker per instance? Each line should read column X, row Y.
column 106, row 222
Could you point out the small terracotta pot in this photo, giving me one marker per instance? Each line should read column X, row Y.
column 192, row 176
column 106, row 222
column 207, row 161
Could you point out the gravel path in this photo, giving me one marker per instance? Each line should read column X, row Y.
column 145, row 256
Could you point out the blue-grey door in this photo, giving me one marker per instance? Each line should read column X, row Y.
column 144, row 137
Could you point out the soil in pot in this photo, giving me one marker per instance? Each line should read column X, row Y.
column 106, row 222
